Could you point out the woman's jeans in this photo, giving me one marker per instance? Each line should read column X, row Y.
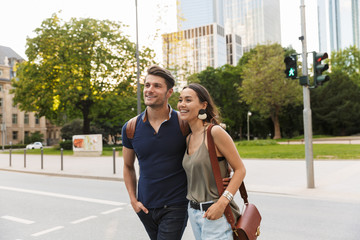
column 165, row 223
column 203, row 228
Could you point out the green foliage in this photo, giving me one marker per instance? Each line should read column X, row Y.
column 265, row 87
column 75, row 65
column 72, row 128
column 66, row 145
column 347, row 61
column 34, row 137
column 336, row 106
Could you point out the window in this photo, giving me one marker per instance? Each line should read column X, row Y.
column 26, row 119
column 37, row 120
column 1, row 86
column 1, row 102
column 14, row 118
column 1, row 72
column 14, row 135
column 0, row 118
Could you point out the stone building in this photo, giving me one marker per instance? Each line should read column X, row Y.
column 16, row 124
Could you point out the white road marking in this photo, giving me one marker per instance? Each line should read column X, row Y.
column 112, row 210
column 93, row 200
column 83, row 219
column 19, row 220
column 47, row 231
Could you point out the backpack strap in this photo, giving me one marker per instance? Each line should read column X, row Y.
column 131, row 125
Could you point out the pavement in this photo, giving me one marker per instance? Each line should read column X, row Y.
column 337, row 180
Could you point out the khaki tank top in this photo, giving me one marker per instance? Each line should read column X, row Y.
column 200, row 178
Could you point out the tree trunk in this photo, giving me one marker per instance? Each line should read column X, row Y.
column 86, row 119
column 275, row 119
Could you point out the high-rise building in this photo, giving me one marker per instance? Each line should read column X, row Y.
column 255, row 21
column 338, row 24
column 213, row 33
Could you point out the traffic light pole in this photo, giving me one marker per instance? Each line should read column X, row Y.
column 307, row 109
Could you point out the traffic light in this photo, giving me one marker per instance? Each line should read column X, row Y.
column 291, row 67
column 319, row 68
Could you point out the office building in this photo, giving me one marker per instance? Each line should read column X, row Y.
column 255, row 21
column 338, row 24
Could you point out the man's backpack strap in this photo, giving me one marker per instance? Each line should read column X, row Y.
column 184, row 126
column 131, row 125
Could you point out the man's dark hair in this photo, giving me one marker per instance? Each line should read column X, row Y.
column 164, row 73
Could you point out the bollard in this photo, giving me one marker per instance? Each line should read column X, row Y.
column 62, row 161
column 42, row 158
column 10, row 157
column 24, row 158
column 114, row 160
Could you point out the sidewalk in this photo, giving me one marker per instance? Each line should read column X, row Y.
column 334, row 179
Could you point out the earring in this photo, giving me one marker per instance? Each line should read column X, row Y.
column 202, row 114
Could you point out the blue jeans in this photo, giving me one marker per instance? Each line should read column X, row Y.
column 204, row 228
column 165, row 223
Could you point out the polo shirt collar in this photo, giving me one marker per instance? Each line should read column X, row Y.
column 144, row 116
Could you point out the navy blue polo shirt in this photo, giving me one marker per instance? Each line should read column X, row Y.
column 162, row 179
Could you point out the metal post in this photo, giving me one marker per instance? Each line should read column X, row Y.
column 24, row 158
column 307, row 109
column 137, row 64
column 42, row 158
column 62, row 164
column 10, row 157
column 248, row 125
column 114, row 166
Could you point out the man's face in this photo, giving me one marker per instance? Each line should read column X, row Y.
column 155, row 91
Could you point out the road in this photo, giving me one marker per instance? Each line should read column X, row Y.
column 56, row 208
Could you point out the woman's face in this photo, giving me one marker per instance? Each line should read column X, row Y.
column 189, row 104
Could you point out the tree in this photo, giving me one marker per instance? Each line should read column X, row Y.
column 347, row 61
column 336, row 106
column 73, row 66
column 265, row 87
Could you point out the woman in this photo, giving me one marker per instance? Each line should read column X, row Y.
column 206, row 208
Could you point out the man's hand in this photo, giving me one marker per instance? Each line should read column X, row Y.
column 138, row 206
column 226, row 182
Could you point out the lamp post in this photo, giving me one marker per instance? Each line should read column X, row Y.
column 137, row 64
column 248, row 126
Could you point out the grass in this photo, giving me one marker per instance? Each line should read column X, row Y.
column 267, row 149
column 297, row 151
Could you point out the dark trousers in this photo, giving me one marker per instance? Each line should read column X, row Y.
column 167, row 223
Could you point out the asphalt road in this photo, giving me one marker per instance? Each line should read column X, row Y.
column 56, row 208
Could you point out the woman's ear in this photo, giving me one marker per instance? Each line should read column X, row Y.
column 205, row 104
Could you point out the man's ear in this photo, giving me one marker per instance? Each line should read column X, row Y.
column 170, row 92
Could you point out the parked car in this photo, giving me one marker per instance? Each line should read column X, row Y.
column 35, row 145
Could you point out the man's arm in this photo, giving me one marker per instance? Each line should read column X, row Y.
column 130, row 179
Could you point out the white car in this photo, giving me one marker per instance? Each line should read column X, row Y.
column 35, row 145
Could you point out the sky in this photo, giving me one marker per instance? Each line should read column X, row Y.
column 20, row 18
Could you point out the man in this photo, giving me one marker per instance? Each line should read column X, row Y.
column 159, row 145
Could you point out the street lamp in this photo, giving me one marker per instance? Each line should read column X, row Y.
column 137, row 64
column 248, row 127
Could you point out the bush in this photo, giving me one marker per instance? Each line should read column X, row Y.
column 66, row 145
column 15, row 146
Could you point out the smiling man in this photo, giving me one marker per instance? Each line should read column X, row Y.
column 159, row 145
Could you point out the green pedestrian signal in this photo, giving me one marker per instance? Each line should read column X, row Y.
column 319, row 68
column 291, row 66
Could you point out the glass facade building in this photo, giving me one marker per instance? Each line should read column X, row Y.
column 338, row 24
